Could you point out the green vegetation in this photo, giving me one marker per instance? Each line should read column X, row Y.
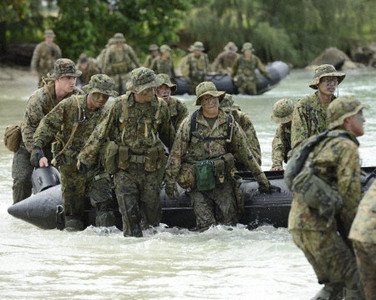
column 291, row 30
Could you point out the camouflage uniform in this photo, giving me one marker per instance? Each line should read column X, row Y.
column 39, row 104
column 71, row 120
column 309, row 116
column 91, row 68
column 120, row 59
column 245, row 123
column 281, row 144
column 195, row 67
column 363, row 236
column 100, row 58
column 139, row 130
column 178, row 110
column 336, row 161
column 163, row 64
column 218, row 205
column 149, row 59
column 243, row 71
column 225, row 60
column 44, row 57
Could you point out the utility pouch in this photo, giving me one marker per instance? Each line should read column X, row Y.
column 316, row 193
column 205, row 177
column 123, row 157
column 110, row 157
column 219, row 170
column 154, row 159
column 229, row 160
column 186, row 176
column 12, row 137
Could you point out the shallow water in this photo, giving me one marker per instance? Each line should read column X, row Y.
column 221, row 263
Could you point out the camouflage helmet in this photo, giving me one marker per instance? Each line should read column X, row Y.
column 341, row 108
column 230, row 47
column 141, row 79
column 199, row 46
column 227, row 101
column 165, row 48
column 65, row 67
column 49, row 32
column 325, row 70
column 153, row 47
column 247, row 46
column 207, row 88
column 282, row 111
column 165, row 79
column 101, row 83
column 118, row 37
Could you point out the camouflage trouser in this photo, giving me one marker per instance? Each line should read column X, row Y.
column 214, row 207
column 329, row 255
column 120, row 82
column 21, row 174
column 366, row 260
column 246, row 85
column 137, row 193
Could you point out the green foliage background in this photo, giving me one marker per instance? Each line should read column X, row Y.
column 291, row 30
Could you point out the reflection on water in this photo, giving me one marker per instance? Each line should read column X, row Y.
column 221, row 263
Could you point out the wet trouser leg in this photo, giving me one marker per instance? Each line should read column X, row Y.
column 330, row 257
column 21, row 174
column 366, row 261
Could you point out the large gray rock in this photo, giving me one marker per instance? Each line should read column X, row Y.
column 335, row 57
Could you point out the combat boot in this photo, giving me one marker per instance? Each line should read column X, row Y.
column 330, row 292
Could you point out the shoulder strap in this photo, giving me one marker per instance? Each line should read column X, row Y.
column 193, row 124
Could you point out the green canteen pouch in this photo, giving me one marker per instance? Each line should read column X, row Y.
column 205, row 177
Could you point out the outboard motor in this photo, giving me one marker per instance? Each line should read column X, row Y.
column 44, row 178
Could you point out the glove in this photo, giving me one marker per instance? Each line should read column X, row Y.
column 35, row 156
column 81, row 167
column 269, row 189
column 171, row 190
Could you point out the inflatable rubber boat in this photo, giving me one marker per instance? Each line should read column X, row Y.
column 277, row 71
column 45, row 208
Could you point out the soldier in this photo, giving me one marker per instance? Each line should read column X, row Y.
column 60, row 85
column 120, row 59
column 163, row 63
column 135, row 131
column 245, row 123
column 320, row 218
column 71, row 122
column 243, row 71
column 196, row 65
column 88, row 66
column 309, row 116
column 225, row 60
column 153, row 54
column 363, row 236
column 281, row 145
column 211, row 140
column 100, row 58
column 44, row 56
column 178, row 110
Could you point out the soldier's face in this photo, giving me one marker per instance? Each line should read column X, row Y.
column 97, row 100
column 49, row 39
column 328, row 85
column 355, row 124
column 65, row 84
column 145, row 96
column 210, row 104
column 163, row 91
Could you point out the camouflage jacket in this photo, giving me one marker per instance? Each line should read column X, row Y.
column 247, row 68
column 160, row 65
column 92, row 69
column 336, row 161
column 281, row 145
column 41, row 102
column 363, row 228
column 44, row 57
column 120, row 60
column 308, row 118
column 148, row 61
column 178, row 112
column 59, row 123
column 185, row 151
column 138, row 126
column 195, row 68
column 246, row 125
column 224, row 62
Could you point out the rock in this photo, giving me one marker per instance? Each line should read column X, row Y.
column 335, row 57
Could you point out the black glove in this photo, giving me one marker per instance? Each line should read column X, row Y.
column 171, row 190
column 35, row 156
column 82, row 168
column 270, row 189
